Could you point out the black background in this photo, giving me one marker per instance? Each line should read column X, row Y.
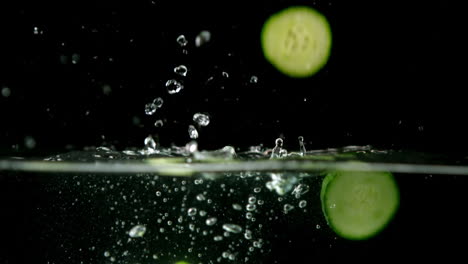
column 391, row 81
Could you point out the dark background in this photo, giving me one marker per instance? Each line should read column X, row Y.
column 391, row 81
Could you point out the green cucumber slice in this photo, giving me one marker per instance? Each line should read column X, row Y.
column 297, row 41
column 359, row 204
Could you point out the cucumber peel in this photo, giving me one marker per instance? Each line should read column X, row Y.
column 297, row 41
column 359, row 204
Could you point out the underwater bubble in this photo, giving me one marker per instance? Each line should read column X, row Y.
column 150, row 108
column 173, row 86
column 302, row 204
column 237, row 207
column 233, row 228
column 211, row 221
column 137, row 231
column 181, row 70
column 193, row 133
column 299, row 190
column 192, row 211
column 217, row 238
column 257, row 189
column 250, row 207
column 252, row 199
column 287, row 208
column 201, row 197
column 182, row 40
column 248, row 234
column 202, row 38
column 225, row 74
column 201, row 119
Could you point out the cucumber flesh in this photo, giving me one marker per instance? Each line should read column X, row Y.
column 297, row 41
column 358, row 205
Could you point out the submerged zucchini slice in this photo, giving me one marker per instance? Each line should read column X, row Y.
column 358, row 205
column 297, row 41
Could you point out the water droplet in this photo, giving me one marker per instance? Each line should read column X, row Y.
column 201, row 197
column 158, row 102
column 137, row 231
column 202, row 38
column 193, row 133
column 75, row 58
column 150, row 108
column 158, row 123
column 254, row 79
column 287, row 208
column 181, row 70
column 201, row 119
column 211, row 221
column 237, row 207
column 6, row 92
column 192, row 146
column 150, row 143
column 302, row 204
column 174, row 86
column 192, row 211
column 29, row 142
column 276, row 152
column 182, row 40
column 233, row 228
column 301, row 145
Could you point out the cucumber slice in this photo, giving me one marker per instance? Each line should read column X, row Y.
column 358, row 205
column 297, row 41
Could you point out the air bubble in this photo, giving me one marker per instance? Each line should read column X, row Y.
column 211, row 221
column 192, row 211
column 233, row 228
column 302, row 204
column 137, row 231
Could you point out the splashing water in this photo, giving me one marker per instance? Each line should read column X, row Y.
column 192, row 131
column 202, row 38
column 173, row 86
column 201, row 119
column 181, row 70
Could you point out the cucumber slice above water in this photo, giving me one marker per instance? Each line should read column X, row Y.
column 358, row 205
column 297, row 41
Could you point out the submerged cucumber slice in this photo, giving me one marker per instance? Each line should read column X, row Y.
column 358, row 205
column 297, row 41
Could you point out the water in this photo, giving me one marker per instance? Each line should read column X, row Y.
column 145, row 207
